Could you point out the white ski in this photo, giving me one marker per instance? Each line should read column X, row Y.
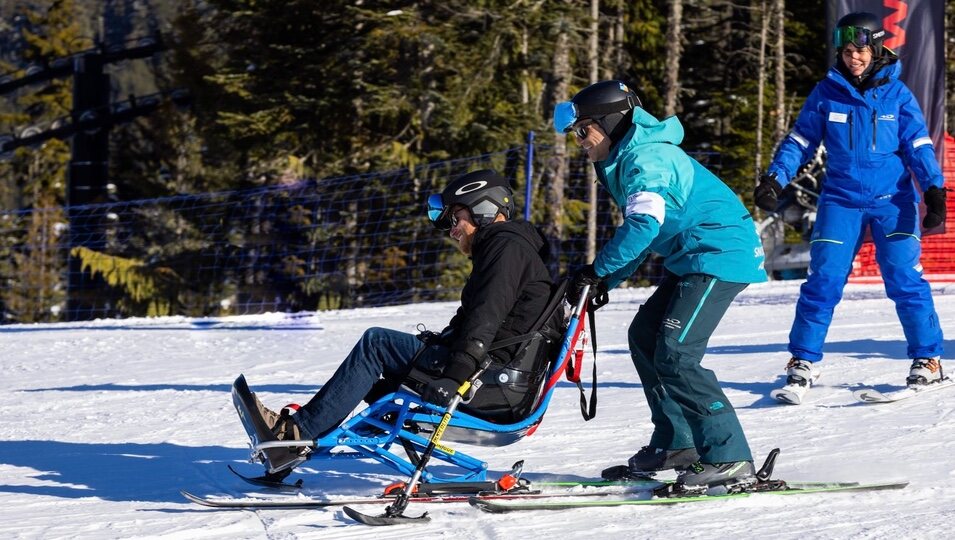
column 871, row 395
column 792, row 394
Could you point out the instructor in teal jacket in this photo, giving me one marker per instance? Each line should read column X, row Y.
column 674, row 207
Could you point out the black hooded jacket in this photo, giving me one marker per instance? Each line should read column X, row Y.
column 506, row 293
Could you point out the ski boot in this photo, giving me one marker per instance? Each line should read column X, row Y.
column 648, row 461
column 801, row 372
column 801, row 375
column 715, row 478
column 924, row 371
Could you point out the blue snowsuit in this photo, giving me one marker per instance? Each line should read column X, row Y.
column 874, row 135
column 675, row 207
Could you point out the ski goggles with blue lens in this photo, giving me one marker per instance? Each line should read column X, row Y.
column 438, row 214
column 856, row 35
column 565, row 116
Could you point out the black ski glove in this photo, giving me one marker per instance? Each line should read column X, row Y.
column 459, row 367
column 934, row 207
column 440, row 391
column 767, row 192
column 585, row 275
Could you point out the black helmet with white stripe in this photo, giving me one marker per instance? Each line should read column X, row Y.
column 484, row 193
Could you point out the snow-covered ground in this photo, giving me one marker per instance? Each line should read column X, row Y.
column 104, row 422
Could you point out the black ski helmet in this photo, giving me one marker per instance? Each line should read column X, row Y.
column 484, row 193
column 862, row 29
column 610, row 104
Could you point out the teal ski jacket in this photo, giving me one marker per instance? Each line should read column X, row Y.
column 674, row 207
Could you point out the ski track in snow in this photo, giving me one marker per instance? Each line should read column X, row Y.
column 105, row 421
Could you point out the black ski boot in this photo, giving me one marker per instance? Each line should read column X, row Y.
column 700, row 478
column 650, row 460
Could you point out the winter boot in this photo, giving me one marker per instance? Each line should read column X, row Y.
column 700, row 477
column 801, row 372
column 649, row 460
column 285, row 429
column 267, row 414
column 924, row 371
column 281, row 424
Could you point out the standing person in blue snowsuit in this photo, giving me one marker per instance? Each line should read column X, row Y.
column 674, row 207
column 875, row 137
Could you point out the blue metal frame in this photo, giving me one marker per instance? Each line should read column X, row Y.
column 398, row 418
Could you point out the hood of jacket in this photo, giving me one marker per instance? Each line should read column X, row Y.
column 647, row 129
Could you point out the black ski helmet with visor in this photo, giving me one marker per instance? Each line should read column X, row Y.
column 484, row 193
column 609, row 104
column 862, row 29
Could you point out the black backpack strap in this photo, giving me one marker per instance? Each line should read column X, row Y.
column 556, row 298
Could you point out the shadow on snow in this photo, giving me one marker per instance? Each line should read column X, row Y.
column 156, row 472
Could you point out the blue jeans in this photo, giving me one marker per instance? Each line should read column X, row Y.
column 379, row 353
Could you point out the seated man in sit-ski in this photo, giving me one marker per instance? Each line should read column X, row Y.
column 506, row 293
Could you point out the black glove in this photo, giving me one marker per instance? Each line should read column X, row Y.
column 429, row 338
column 440, row 391
column 585, row 275
column 934, row 207
column 767, row 192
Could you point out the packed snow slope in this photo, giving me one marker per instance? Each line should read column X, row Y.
column 104, row 422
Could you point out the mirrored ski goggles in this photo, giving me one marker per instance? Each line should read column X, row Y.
column 858, row 36
column 565, row 116
column 440, row 217
column 581, row 131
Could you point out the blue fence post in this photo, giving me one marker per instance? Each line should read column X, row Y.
column 528, row 175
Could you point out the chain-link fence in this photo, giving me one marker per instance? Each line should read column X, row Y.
column 332, row 243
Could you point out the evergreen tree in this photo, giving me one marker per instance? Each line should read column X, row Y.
column 31, row 261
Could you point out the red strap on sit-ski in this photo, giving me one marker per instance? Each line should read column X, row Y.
column 587, row 410
column 576, row 363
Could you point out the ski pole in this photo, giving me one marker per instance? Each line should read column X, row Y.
column 398, row 507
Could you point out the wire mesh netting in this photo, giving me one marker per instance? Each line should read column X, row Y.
column 315, row 244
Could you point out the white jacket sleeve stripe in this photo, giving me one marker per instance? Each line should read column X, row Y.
column 646, row 202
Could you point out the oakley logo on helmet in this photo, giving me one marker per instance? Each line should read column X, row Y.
column 473, row 186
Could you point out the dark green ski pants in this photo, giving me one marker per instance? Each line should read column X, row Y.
column 668, row 338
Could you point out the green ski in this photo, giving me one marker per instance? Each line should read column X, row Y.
column 795, row 488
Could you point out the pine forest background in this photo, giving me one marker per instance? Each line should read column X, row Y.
column 296, row 178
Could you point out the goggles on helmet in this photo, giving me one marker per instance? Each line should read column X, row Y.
column 565, row 116
column 439, row 215
column 857, row 35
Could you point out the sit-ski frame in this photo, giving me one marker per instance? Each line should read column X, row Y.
column 402, row 417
